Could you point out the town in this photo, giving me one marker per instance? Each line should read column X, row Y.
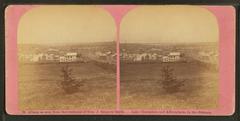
column 67, row 55
column 140, row 54
column 150, row 53
column 208, row 57
column 106, row 57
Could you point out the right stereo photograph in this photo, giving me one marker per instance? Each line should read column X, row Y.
column 170, row 58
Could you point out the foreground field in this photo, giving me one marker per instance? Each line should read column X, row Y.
column 39, row 87
column 141, row 86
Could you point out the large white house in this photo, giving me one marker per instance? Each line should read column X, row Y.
column 69, row 57
column 174, row 56
column 62, row 59
column 171, row 57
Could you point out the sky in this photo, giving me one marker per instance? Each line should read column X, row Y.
column 144, row 24
column 169, row 24
column 66, row 24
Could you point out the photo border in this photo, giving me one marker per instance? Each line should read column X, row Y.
column 233, row 117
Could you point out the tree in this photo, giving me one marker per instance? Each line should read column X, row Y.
column 170, row 83
column 69, row 84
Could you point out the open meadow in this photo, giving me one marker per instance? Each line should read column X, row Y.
column 40, row 89
column 142, row 86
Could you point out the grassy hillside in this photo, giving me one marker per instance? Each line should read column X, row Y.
column 142, row 87
column 39, row 87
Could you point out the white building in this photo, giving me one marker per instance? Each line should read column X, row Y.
column 165, row 59
column 36, row 58
column 208, row 57
column 49, row 57
column 174, row 56
column 171, row 57
column 155, row 56
column 62, row 59
column 71, row 57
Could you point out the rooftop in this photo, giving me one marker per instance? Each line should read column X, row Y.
column 174, row 53
column 71, row 54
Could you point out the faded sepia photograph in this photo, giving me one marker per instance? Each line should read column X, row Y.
column 66, row 58
column 169, row 58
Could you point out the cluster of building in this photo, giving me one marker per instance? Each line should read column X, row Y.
column 145, row 57
column 50, row 57
column 174, row 56
column 207, row 57
column 107, row 56
column 110, row 56
column 66, row 57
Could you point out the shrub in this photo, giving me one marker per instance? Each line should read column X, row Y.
column 69, row 84
column 169, row 82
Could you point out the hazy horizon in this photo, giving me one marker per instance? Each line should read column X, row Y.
column 83, row 43
column 86, row 43
column 165, row 42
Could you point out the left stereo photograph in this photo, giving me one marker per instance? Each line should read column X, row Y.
column 62, row 57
